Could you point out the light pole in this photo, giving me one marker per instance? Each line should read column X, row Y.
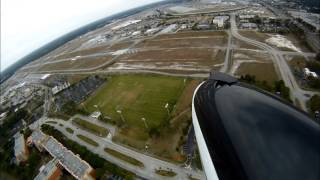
column 145, row 123
column 167, row 106
column 120, row 112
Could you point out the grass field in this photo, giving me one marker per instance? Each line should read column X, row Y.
column 88, row 140
column 137, row 96
column 69, row 130
column 98, row 130
column 124, row 157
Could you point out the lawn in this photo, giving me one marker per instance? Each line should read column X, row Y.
column 69, row 130
column 165, row 173
column 124, row 157
column 88, row 140
column 98, row 130
column 137, row 96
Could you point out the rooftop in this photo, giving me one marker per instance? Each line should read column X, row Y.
column 47, row 170
column 71, row 162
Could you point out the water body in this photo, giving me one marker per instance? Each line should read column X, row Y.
column 7, row 73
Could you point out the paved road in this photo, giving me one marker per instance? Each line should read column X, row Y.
column 150, row 163
column 227, row 61
column 285, row 71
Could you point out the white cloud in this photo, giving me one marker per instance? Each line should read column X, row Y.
column 29, row 24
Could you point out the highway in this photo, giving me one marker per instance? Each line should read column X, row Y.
column 150, row 163
column 285, row 71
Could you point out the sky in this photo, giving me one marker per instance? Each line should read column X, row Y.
column 29, row 24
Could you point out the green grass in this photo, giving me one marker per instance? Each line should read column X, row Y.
column 124, row 157
column 98, row 130
column 165, row 173
column 88, row 140
column 137, row 96
column 51, row 122
column 69, row 130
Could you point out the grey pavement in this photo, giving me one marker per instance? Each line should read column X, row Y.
column 150, row 163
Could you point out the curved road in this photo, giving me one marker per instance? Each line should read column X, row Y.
column 150, row 163
column 284, row 69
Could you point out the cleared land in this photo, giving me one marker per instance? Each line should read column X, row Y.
column 183, row 59
column 84, row 52
column 194, row 51
column 98, row 130
column 145, row 96
column 124, row 157
column 77, row 64
column 262, row 37
column 262, row 71
column 254, row 63
column 88, row 140
column 120, row 45
column 192, row 34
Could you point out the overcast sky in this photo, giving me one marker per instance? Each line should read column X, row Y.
column 29, row 24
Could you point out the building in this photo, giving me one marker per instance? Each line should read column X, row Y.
column 220, row 20
column 203, row 26
column 77, row 167
column 20, row 148
column 249, row 26
column 310, row 18
column 50, row 171
column 59, row 88
column 246, row 16
column 308, row 73
column 96, row 114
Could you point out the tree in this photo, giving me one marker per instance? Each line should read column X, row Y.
column 314, row 103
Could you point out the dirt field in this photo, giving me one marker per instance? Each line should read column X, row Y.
column 120, row 45
column 186, row 42
column 186, row 34
column 241, row 44
column 262, row 37
column 78, row 64
column 262, row 71
column 185, row 59
column 83, row 52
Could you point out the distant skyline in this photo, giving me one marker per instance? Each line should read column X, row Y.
column 28, row 25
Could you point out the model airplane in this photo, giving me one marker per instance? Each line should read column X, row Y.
column 246, row 133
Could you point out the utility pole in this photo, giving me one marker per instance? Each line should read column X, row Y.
column 145, row 123
column 167, row 107
column 121, row 116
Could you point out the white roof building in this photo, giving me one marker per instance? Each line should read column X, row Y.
column 20, row 149
column 220, row 20
column 309, row 73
